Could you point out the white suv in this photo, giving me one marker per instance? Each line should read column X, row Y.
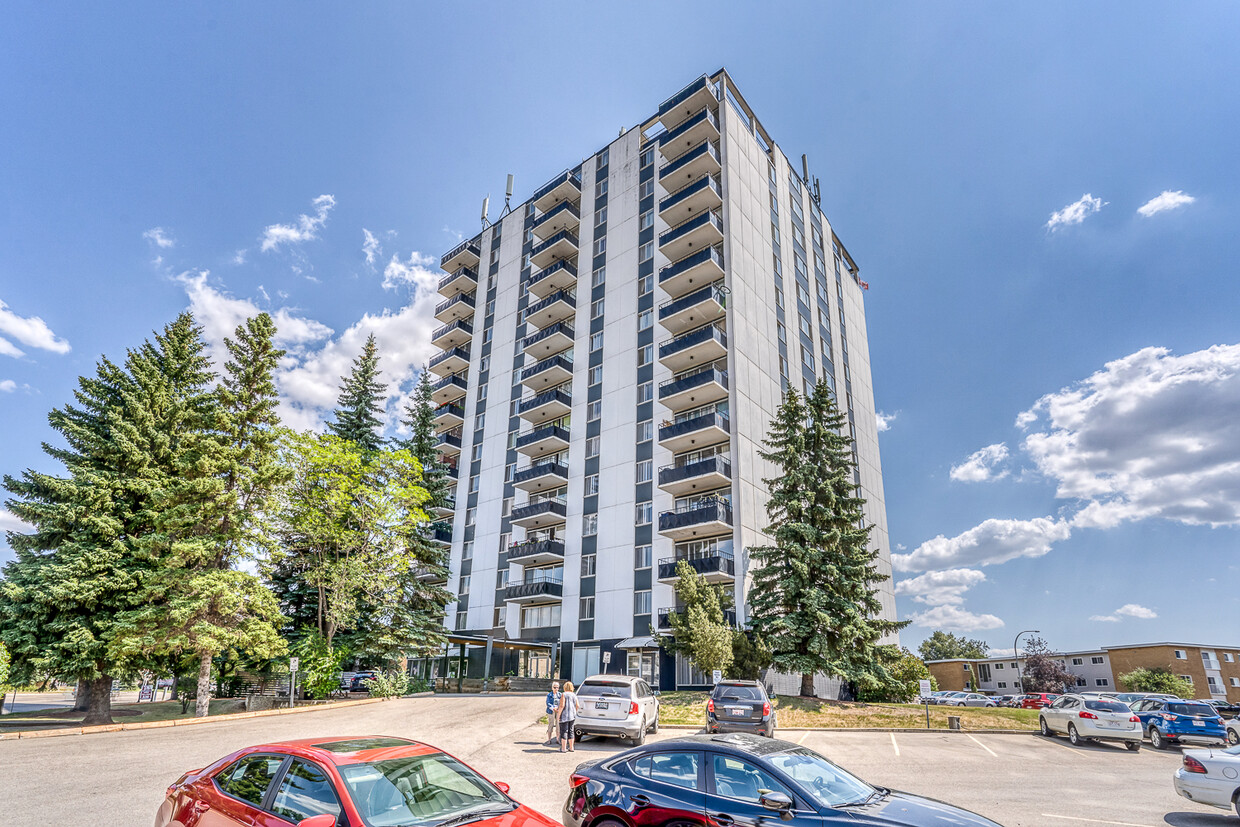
column 616, row 705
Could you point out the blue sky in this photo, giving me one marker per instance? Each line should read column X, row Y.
column 1062, row 450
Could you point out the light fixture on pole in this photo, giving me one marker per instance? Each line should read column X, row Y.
column 1020, row 682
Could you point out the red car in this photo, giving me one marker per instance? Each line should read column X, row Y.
column 1037, row 700
column 341, row 782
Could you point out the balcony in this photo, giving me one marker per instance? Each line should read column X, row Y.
column 701, row 307
column 563, row 216
column 452, row 335
column 458, row 307
column 541, row 514
column 559, row 276
column 445, row 507
column 536, row 552
column 450, row 361
column 695, row 389
column 564, row 187
column 562, row 245
column 557, row 307
column 697, row 347
column 716, row 568
column 552, row 371
column 697, row 233
column 703, row 195
column 707, row 429
column 702, row 475
column 535, row 590
column 449, row 443
column 664, row 625
column 449, row 415
column 541, row 476
column 452, row 471
column 549, row 341
column 437, row 574
column 461, row 280
column 703, row 520
column 546, row 406
column 704, row 126
column 694, row 270
column 549, row 439
column 441, row 533
column 703, row 159
column 449, row 389
column 464, row 254
column 676, row 109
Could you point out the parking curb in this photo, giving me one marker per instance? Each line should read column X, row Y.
column 60, row 732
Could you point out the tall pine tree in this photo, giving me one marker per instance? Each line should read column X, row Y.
column 813, row 598
column 361, row 401
column 419, row 418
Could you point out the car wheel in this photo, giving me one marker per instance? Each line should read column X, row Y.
column 1156, row 739
column 640, row 737
column 1074, row 737
column 1133, row 746
column 960, row 704
column 654, row 728
column 578, row 735
column 1045, row 730
column 1233, row 737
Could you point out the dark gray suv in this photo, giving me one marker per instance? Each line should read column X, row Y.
column 740, row 706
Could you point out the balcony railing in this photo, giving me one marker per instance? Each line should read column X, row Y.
column 689, row 225
column 557, row 296
column 562, row 235
column 465, row 246
column 539, row 587
column 454, row 408
column 689, row 91
column 718, row 464
column 713, row 564
column 450, row 438
column 704, row 148
column 697, row 423
column 456, row 379
column 692, row 339
column 558, row 210
column 441, row 532
column 553, row 395
column 561, row 265
column 680, row 384
column 539, row 434
column 711, row 291
column 689, row 190
column 706, row 115
column 686, row 516
column 462, row 324
column 460, row 272
column 539, row 469
column 557, row 361
column 463, row 298
column 557, row 507
column 532, row 548
column 729, row 617
column 547, row 332
column 459, row 352
column 567, row 175
column 690, row 261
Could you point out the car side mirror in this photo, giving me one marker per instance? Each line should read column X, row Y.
column 779, row 802
column 323, row 820
column 502, row 785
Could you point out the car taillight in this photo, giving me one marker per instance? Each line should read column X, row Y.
column 1167, row 716
column 577, row 779
column 1134, row 719
column 1084, row 714
column 766, row 708
column 1191, row 764
column 710, row 705
column 633, row 708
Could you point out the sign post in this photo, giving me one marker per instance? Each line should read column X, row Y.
column 923, row 686
column 293, row 663
column 716, row 676
column 606, row 662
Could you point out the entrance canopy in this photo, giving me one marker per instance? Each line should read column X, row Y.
column 638, row 643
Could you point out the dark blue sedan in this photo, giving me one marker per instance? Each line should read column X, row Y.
column 1173, row 721
column 740, row 780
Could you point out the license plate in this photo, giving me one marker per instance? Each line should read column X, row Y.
column 1115, row 724
column 739, row 710
column 1198, row 722
column 601, row 705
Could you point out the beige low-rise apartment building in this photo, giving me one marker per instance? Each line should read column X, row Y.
column 1214, row 671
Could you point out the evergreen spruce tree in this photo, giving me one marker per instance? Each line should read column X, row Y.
column 361, row 401
column 419, row 418
column 813, row 599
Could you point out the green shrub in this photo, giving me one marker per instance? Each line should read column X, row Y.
column 384, row 685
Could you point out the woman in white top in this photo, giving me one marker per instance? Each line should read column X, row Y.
column 566, row 714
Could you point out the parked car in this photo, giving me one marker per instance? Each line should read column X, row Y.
column 1004, row 700
column 742, row 779
column 1091, row 719
column 1037, row 700
column 1224, row 709
column 354, row 782
column 618, row 705
column 1208, row 776
column 949, row 698
column 1233, row 731
column 972, row 699
column 357, row 683
column 1170, row 722
column 740, row 706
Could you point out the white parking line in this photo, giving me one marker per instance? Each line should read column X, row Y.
column 974, row 740
column 804, row 735
column 894, row 745
column 1094, row 820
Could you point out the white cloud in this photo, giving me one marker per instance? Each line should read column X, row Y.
column 981, row 465
column 991, row 542
column 370, row 246
column 1026, row 418
column 239, row 257
column 9, row 522
column 417, row 273
column 884, row 421
column 306, row 228
column 954, row 618
column 7, row 386
column 159, row 237
column 31, row 331
column 938, row 588
column 1075, row 212
column 7, row 348
column 1167, row 200
column 1132, row 610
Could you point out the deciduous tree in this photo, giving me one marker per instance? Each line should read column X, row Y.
column 699, row 631
column 946, row 646
column 1158, row 679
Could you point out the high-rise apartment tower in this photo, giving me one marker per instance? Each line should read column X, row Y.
column 613, row 351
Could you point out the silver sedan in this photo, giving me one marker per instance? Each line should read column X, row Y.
column 972, row 699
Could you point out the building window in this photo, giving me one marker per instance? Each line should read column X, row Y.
column 506, row 509
column 646, row 190
column 587, row 608
column 470, row 515
column 1227, row 657
column 1235, row 681
column 645, row 284
column 460, row 619
column 648, row 157
column 644, row 512
column 596, row 341
column 464, row 585
column 1188, row 678
column 594, row 410
column 474, row 484
column 807, row 357
column 779, row 296
column 596, row 375
column 588, row 564
column 645, row 355
column 645, row 319
column 1101, row 682
column 645, row 470
column 641, row 557
column 480, row 421
column 589, row 525
column 596, row 309
column 1095, row 660
column 476, row 454
column 501, row 579
column 645, row 430
column 1002, row 684
column 645, row 252
column 592, row 446
column 998, row 665
column 1180, row 654
column 591, row 485
column 641, row 602
column 1078, row 661
column 780, row 333
column 602, row 158
column 482, row 391
column 600, row 188
column 509, row 470
column 645, row 392
column 647, row 220
column 600, row 217
column 467, row 550
column 598, row 277
column 600, row 245
column 783, row 366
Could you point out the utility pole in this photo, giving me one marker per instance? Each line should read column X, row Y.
column 1016, row 654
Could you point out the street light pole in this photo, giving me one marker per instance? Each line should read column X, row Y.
column 1020, row 682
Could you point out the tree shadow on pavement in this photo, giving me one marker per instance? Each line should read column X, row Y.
column 1199, row 819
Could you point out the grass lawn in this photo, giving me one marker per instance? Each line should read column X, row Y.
column 121, row 714
column 690, row 708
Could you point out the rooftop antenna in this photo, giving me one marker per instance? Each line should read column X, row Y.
column 486, row 208
column 805, row 169
column 817, row 192
column 507, row 198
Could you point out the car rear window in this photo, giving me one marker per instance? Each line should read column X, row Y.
column 738, row 693
column 1196, row 710
column 1106, row 706
column 618, row 689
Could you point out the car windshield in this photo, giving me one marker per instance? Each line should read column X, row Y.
column 738, row 693
column 1106, row 706
column 1196, row 710
column 421, row 791
column 826, row 783
column 617, row 689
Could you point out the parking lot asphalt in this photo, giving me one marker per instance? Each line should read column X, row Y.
column 1016, row 780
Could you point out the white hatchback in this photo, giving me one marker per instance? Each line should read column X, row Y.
column 1091, row 719
column 1211, row 776
column 616, row 705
